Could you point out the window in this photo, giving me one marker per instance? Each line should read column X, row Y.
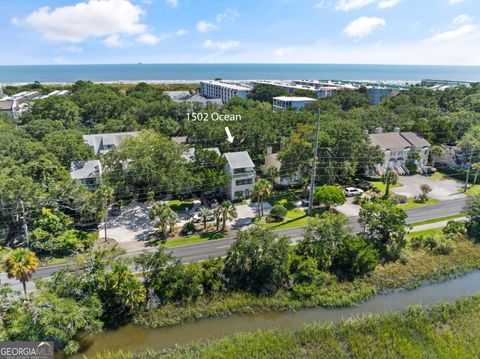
column 243, row 182
column 239, row 171
column 238, row 194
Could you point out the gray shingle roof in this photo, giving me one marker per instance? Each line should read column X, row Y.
column 239, row 159
column 415, row 140
column 6, row 105
column 85, row 169
column 106, row 139
column 177, row 95
column 389, row 140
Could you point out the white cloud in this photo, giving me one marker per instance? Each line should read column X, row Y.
column 462, row 19
column 115, row 41
column 15, row 21
column 73, row 48
column 363, row 26
column 148, row 39
column 454, row 34
column 206, row 26
column 220, row 45
column 181, row 32
column 281, row 52
column 388, row 3
column 172, row 3
column 348, row 5
column 453, row 2
column 95, row 18
column 60, row 61
column 227, row 15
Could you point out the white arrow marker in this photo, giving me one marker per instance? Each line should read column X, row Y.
column 229, row 135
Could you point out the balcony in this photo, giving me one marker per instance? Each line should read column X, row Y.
column 246, row 174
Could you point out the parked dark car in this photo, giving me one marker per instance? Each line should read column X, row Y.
column 115, row 210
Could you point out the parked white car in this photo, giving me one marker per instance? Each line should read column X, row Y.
column 197, row 218
column 353, row 192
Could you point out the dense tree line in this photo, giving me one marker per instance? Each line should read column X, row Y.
column 36, row 151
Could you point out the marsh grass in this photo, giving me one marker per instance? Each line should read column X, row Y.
column 443, row 331
column 420, row 268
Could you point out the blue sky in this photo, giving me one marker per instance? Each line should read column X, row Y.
column 242, row 31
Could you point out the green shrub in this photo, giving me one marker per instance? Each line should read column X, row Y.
column 399, row 198
column 438, row 244
column 277, row 213
column 455, row 230
column 188, row 228
column 416, row 242
column 355, row 257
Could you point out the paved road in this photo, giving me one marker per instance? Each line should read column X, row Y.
column 199, row 251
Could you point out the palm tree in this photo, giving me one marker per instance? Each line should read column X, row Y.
column 262, row 189
column 228, row 211
column 20, row 264
column 205, row 213
column 435, row 152
column 476, row 168
column 217, row 213
column 272, row 173
column 165, row 215
column 390, row 177
column 414, row 156
column 172, row 220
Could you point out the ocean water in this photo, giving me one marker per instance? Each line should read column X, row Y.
column 194, row 72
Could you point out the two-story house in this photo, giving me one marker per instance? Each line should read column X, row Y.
column 397, row 147
column 104, row 142
column 86, row 173
column 241, row 171
column 284, row 178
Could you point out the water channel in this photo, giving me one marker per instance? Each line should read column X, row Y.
column 134, row 338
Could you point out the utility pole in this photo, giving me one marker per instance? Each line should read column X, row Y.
column 24, row 220
column 468, row 170
column 314, row 168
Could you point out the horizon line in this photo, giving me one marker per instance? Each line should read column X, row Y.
column 240, row 63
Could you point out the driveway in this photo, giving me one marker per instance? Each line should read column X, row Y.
column 349, row 209
column 443, row 190
column 131, row 225
column 246, row 213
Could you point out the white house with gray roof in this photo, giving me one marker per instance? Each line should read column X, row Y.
column 86, row 173
column 103, row 143
column 241, row 171
column 397, row 146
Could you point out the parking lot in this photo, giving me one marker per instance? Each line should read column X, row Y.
column 134, row 225
column 443, row 190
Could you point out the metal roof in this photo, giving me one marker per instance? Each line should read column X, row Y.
column 239, row 159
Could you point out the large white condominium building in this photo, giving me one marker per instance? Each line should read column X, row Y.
column 295, row 102
column 223, row 90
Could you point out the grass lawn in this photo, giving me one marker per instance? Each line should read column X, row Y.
column 440, row 219
column 179, row 205
column 197, row 238
column 439, row 176
column 296, row 217
column 411, row 203
column 56, row 261
column 383, row 187
column 426, row 232
column 473, row 190
column 285, row 198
